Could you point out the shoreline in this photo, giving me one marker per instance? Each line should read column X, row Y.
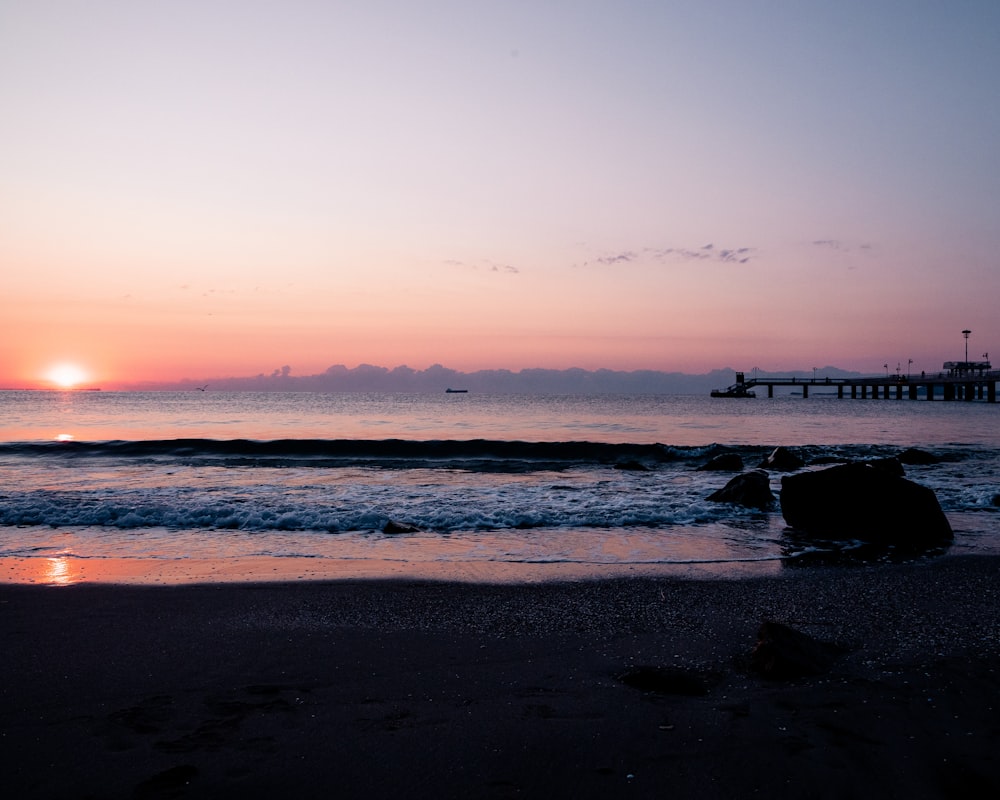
column 68, row 570
column 359, row 688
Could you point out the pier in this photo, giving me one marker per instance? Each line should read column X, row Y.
column 958, row 380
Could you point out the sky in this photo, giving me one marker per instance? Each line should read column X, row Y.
column 228, row 187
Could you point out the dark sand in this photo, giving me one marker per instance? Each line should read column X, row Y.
column 421, row 689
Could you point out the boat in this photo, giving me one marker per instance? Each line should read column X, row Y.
column 738, row 389
column 456, row 391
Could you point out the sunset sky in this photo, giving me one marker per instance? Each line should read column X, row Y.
column 221, row 188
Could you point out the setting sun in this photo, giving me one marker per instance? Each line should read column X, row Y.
column 66, row 376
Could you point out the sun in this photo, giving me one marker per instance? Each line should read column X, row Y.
column 66, row 376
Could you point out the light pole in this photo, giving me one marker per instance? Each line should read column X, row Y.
column 966, row 333
column 908, row 365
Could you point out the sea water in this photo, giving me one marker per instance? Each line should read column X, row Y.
column 605, row 482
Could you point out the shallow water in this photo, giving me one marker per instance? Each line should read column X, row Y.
column 499, row 480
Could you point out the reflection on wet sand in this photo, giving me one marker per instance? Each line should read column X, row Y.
column 59, row 572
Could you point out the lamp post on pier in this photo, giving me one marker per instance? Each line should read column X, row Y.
column 966, row 333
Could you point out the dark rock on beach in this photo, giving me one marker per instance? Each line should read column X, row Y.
column 859, row 501
column 751, row 489
column 783, row 653
column 727, row 462
column 782, row 460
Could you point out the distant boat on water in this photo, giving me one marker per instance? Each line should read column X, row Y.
column 456, row 391
column 734, row 391
column 738, row 389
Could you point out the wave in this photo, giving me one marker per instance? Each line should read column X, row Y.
column 469, row 454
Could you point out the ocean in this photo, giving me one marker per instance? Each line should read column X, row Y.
column 484, row 486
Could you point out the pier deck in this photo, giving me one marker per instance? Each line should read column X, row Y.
column 952, row 385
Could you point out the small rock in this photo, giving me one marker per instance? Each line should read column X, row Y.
column 399, row 527
column 783, row 653
column 890, row 466
column 782, row 460
column 917, row 457
column 751, row 489
column 727, row 462
column 663, row 680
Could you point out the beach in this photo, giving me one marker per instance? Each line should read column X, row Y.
column 421, row 688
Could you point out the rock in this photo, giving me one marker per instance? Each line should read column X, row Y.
column 727, row 462
column 783, row 653
column 917, row 457
column 399, row 527
column 890, row 466
column 996, row 499
column 751, row 489
column 782, row 460
column 632, row 466
column 859, row 501
column 665, row 680
column 824, row 460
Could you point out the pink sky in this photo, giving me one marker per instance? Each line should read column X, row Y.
column 195, row 190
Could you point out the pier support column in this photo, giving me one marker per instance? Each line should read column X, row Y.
column 899, row 391
column 770, row 390
column 970, row 392
column 991, row 392
column 930, row 391
column 949, row 391
column 840, row 392
column 854, row 392
column 864, row 391
column 913, row 392
column 805, row 392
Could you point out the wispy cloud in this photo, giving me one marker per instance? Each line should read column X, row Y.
column 488, row 266
column 618, row 258
column 706, row 253
column 841, row 246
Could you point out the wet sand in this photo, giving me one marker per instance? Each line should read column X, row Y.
column 420, row 688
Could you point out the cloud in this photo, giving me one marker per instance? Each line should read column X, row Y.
column 618, row 258
column 708, row 253
column 841, row 246
column 489, row 266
